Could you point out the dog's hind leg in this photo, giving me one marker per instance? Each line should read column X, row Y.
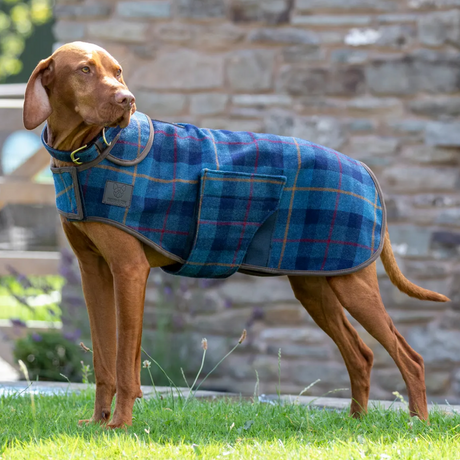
column 359, row 293
column 97, row 285
column 319, row 300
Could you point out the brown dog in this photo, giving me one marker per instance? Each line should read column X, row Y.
column 79, row 90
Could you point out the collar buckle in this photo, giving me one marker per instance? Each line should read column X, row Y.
column 77, row 160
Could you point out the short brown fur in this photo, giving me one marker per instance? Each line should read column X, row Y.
column 115, row 265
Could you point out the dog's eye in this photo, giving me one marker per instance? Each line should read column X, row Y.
column 85, row 69
column 119, row 73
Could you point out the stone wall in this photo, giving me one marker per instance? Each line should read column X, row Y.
column 376, row 79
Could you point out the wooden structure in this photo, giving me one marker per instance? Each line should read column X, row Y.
column 19, row 187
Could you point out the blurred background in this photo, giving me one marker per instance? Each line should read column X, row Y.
column 378, row 80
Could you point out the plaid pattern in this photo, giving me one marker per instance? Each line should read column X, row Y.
column 201, row 195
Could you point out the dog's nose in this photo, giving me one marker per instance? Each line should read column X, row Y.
column 124, row 98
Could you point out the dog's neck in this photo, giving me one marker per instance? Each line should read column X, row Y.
column 69, row 135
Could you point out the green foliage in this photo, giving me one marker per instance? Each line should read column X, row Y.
column 225, row 429
column 30, row 298
column 18, row 18
column 47, row 355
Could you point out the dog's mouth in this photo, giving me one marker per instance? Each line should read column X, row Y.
column 124, row 120
column 115, row 117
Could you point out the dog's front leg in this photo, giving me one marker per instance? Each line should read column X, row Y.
column 114, row 272
column 97, row 282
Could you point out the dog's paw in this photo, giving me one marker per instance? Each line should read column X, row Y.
column 118, row 424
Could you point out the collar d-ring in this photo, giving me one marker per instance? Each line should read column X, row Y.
column 103, row 137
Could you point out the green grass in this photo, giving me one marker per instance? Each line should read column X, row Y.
column 40, row 310
column 163, row 429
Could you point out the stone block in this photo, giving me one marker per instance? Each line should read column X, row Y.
column 437, row 382
column 322, row 130
column 262, row 100
column 230, row 322
column 376, row 105
column 439, row 28
column 427, row 269
column 373, row 150
column 159, row 105
column 283, row 35
column 360, row 125
column 280, row 122
column 349, row 56
column 415, row 178
column 434, row 72
column 448, row 217
column 331, row 37
column 69, row 31
column 258, row 291
column 325, row 131
column 218, row 36
column 306, row 335
column 208, row 103
column 254, row 126
column 437, row 346
column 291, row 350
column 430, row 154
column 315, row 105
column 246, row 112
column 436, row 106
column 250, row 70
column 118, row 31
column 397, row 18
column 337, row 80
column 331, row 21
column 390, row 380
column 139, row 10
column 410, row 240
column 396, row 36
column 413, row 316
column 443, row 134
column 408, row 126
column 445, row 244
column 284, row 315
column 333, row 376
column 96, row 10
column 391, row 77
column 201, row 9
column 349, row 5
column 270, row 11
column 427, row 200
column 182, row 69
column 303, row 53
column 176, row 32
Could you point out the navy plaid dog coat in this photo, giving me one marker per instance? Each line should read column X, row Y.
column 217, row 201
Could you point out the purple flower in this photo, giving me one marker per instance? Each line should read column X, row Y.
column 167, row 290
column 36, row 337
column 18, row 323
column 228, row 303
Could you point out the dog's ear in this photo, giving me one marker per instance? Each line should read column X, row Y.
column 37, row 106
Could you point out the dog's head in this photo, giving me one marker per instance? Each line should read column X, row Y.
column 81, row 79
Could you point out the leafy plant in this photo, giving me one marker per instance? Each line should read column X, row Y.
column 18, row 18
column 49, row 356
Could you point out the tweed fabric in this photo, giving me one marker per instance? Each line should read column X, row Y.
column 203, row 197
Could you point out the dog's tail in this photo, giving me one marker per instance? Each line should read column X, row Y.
column 400, row 281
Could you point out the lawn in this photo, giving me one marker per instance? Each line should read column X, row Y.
column 164, row 429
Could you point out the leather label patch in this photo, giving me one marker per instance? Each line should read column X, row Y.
column 117, row 194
